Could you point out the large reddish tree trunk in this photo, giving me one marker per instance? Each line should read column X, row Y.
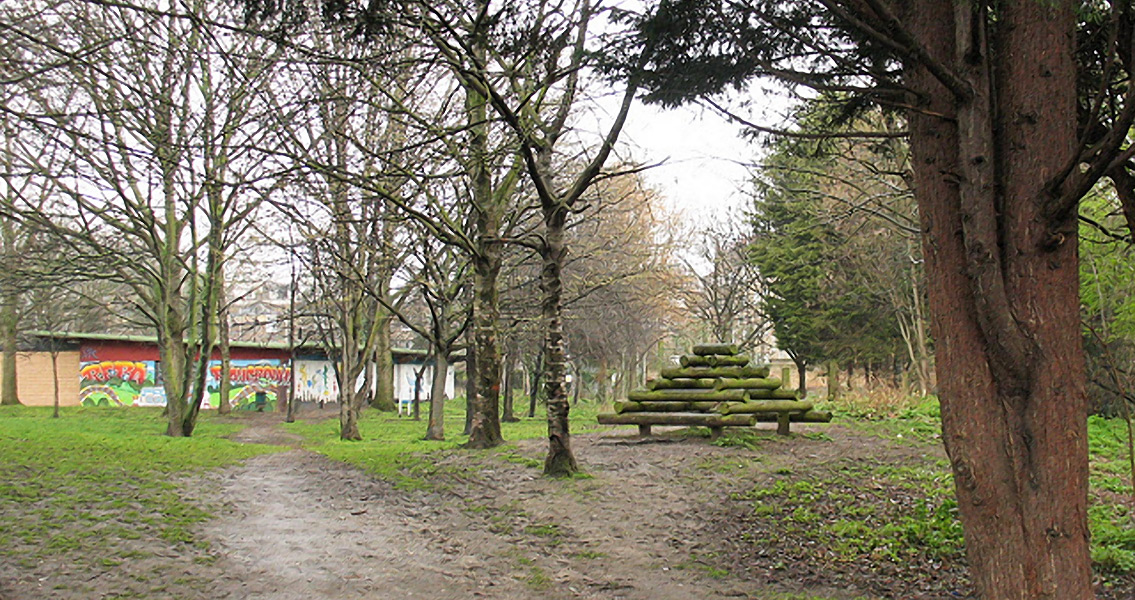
column 1004, row 292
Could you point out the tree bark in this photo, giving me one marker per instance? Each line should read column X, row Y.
column 225, row 381
column 435, row 430
column 1004, row 297
column 384, row 368
column 9, row 319
column 560, row 461
column 509, row 415
column 484, row 427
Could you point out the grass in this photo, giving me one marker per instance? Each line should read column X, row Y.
column 928, row 524
column 85, row 485
column 393, row 448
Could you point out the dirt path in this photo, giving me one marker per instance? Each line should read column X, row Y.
column 662, row 518
column 296, row 525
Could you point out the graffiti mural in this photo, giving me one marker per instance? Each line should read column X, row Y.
column 118, row 383
column 315, row 381
column 255, row 383
column 128, row 383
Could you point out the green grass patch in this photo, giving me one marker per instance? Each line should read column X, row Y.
column 79, row 485
column 393, row 449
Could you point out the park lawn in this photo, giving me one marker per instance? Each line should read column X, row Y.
column 393, row 449
column 86, row 484
column 906, row 514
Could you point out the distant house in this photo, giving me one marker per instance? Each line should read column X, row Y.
column 118, row 370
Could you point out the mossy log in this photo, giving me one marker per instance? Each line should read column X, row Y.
column 812, row 416
column 708, row 349
column 755, row 383
column 714, row 360
column 747, row 372
column 705, row 395
column 680, row 384
column 679, row 418
column 632, row 406
column 764, row 407
column 777, row 394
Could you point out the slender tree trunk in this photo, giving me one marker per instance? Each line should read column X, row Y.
column 537, row 376
column 470, row 378
column 509, row 415
column 435, row 430
column 576, row 384
column 9, row 319
column 225, row 384
column 384, row 364
column 418, row 392
column 1004, row 294
column 55, row 383
column 601, row 378
column 292, row 401
column 560, row 461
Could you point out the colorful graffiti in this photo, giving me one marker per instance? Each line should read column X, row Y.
column 257, row 373
column 315, row 381
column 254, row 384
column 129, row 383
column 120, row 369
column 99, row 395
column 116, row 383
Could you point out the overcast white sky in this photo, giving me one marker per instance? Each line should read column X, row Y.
column 701, row 176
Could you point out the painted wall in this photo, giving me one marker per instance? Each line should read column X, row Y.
column 129, row 374
column 34, row 383
column 315, row 381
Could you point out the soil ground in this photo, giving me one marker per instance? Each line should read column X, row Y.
column 660, row 518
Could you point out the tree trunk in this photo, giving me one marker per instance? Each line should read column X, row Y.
column 601, row 381
column 833, row 380
column 537, row 375
column 384, row 368
column 435, row 430
column 1004, row 294
column 509, row 414
column 485, row 427
column 9, row 320
column 470, row 378
column 417, row 403
column 225, row 381
column 560, row 461
column 55, row 383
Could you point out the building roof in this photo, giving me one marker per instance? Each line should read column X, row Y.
column 79, row 337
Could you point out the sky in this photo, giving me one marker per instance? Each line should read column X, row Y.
column 702, row 176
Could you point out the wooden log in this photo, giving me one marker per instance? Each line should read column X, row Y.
column 739, row 360
column 777, row 394
column 707, row 349
column 812, row 416
column 745, row 372
column 680, row 384
column 670, row 418
column 764, row 407
column 622, row 406
column 636, row 406
column 687, row 396
column 755, row 383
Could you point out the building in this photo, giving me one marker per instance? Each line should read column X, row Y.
column 119, row 370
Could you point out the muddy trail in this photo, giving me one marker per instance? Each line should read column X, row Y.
column 662, row 518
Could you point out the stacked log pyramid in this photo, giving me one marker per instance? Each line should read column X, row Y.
column 715, row 386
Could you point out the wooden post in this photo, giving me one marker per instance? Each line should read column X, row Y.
column 785, row 376
column 644, row 430
column 715, row 432
column 782, row 423
column 833, row 380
